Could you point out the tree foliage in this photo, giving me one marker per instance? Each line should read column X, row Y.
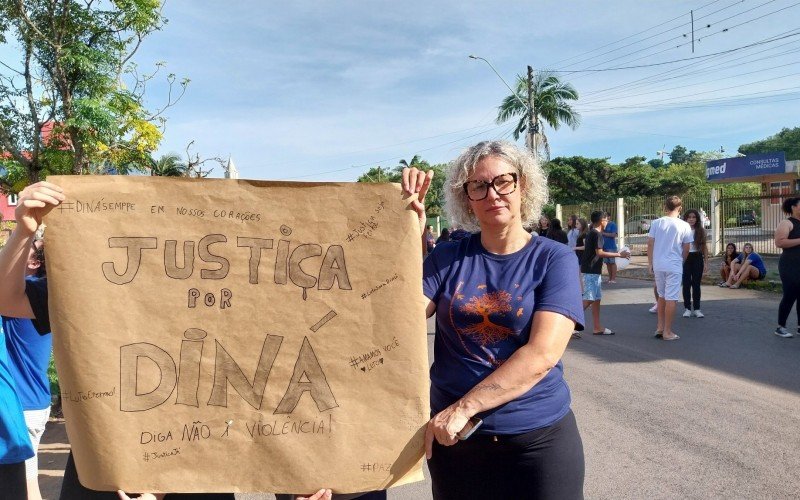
column 787, row 140
column 74, row 71
column 434, row 200
column 551, row 105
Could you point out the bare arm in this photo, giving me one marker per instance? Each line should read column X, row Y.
column 782, row 239
column 685, row 250
column 650, row 245
column 523, row 370
column 34, row 202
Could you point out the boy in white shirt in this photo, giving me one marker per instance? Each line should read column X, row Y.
column 667, row 247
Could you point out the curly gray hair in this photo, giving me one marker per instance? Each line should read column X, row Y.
column 533, row 183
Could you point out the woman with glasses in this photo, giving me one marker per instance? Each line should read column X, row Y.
column 506, row 304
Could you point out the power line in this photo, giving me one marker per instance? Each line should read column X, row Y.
column 633, row 35
column 678, row 60
column 647, row 80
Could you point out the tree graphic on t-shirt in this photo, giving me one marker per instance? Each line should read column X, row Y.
column 485, row 331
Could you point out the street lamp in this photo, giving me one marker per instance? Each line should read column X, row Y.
column 503, row 80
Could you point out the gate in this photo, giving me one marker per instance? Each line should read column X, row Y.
column 752, row 219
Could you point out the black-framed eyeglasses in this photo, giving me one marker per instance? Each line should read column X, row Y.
column 502, row 184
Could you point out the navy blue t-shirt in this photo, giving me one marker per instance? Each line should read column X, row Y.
column 484, row 312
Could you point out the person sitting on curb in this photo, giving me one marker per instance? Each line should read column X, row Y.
column 730, row 255
column 747, row 266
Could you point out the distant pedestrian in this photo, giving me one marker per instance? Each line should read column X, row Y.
column 544, row 225
column 582, row 229
column 459, row 233
column 555, row 232
column 572, row 231
column 444, row 236
column 787, row 237
column 610, row 245
column 667, row 248
column 747, row 266
column 695, row 266
column 430, row 239
column 727, row 261
column 592, row 267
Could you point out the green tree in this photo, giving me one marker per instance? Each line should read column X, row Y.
column 576, row 179
column 434, row 200
column 787, row 140
column 75, row 70
column 680, row 154
column 379, row 174
column 551, row 105
column 169, row 165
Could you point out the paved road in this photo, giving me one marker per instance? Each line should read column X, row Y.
column 713, row 415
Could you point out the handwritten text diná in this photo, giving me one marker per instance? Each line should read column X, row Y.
column 212, row 249
column 103, row 205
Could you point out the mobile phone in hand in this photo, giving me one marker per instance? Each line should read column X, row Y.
column 470, row 427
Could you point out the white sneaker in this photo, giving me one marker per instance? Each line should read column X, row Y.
column 783, row 332
column 687, row 313
column 699, row 314
column 654, row 309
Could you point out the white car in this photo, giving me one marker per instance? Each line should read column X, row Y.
column 639, row 223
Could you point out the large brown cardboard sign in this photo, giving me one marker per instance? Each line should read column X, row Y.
column 216, row 335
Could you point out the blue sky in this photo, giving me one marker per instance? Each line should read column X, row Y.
column 323, row 90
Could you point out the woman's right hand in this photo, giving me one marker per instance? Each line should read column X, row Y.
column 36, row 201
column 417, row 182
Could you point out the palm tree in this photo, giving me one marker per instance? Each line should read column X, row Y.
column 550, row 105
column 169, row 165
column 415, row 162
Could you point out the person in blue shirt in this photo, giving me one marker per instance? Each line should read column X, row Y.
column 747, row 266
column 610, row 234
column 15, row 446
column 29, row 357
column 506, row 304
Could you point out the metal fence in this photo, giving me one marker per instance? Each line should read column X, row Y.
column 751, row 219
column 639, row 213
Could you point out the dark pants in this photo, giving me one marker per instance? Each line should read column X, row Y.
column 72, row 489
column 546, row 463
column 692, row 274
column 12, row 482
column 790, row 280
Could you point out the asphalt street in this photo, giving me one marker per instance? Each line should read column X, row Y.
column 712, row 415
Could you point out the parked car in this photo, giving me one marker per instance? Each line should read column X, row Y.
column 747, row 218
column 639, row 223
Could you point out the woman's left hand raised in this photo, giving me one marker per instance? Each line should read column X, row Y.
column 444, row 426
column 417, row 182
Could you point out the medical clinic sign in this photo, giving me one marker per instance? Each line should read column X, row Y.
column 746, row 166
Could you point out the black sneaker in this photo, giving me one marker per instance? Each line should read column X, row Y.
column 783, row 332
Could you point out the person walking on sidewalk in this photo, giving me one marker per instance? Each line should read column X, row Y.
column 667, row 248
column 592, row 266
column 787, row 237
column 695, row 266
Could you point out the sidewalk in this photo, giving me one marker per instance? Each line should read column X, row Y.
column 638, row 269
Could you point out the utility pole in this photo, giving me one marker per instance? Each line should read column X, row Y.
column 691, row 13
column 532, row 127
